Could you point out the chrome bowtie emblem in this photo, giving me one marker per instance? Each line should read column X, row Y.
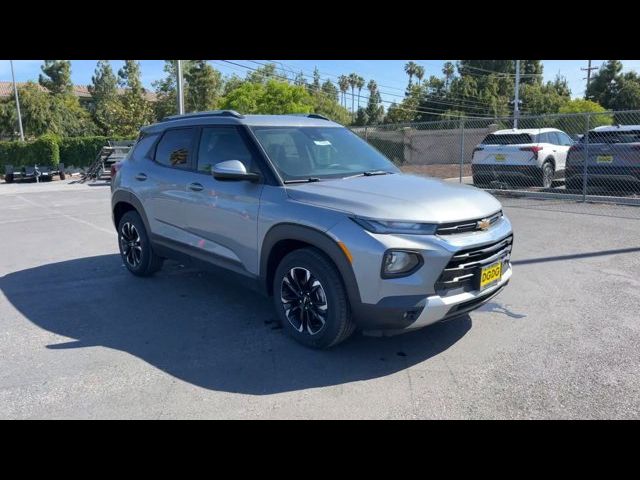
column 484, row 224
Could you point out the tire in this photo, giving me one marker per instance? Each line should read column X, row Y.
column 8, row 178
column 62, row 176
column 326, row 321
column 135, row 248
column 546, row 175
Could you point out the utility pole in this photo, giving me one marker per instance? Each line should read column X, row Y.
column 516, row 103
column 180, row 91
column 588, row 79
column 15, row 91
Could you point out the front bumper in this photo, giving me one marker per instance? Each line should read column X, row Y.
column 417, row 300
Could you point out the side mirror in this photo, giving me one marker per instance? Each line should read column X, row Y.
column 233, row 170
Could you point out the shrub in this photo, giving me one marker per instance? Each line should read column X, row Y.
column 43, row 151
column 82, row 151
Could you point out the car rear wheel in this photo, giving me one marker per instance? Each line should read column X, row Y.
column 310, row 299
column 135, row 248
column 8, row 178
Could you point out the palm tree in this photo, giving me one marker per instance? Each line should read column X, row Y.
column 343, row 83
column 359, row 86
column 353, row 81
column 410, row 69
column 448, row 71
column 419, row 73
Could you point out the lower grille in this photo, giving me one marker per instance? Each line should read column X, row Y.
column 463, row 270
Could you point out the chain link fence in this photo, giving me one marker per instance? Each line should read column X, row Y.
column 586, row 158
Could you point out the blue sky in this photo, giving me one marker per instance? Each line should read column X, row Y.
column 389, row 74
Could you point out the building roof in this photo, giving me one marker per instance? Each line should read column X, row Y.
column 80, row 91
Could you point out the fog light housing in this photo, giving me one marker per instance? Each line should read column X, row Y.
column 400, row 263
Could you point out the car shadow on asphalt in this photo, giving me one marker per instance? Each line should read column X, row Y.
column 203, row 328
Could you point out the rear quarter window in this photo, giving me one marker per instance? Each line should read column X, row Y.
column 143, row 146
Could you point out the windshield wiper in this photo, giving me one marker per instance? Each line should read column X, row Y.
column 369, row 173
column 303, row 180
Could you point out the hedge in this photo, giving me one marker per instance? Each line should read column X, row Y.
column 51, row 150
column 82, row 151
column 43, row 151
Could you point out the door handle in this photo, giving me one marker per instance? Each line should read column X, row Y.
column 196, row 187
column 141, row 176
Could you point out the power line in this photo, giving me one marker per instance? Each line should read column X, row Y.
column 433, row 111
column 450, row 101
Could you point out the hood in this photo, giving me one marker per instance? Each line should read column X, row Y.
column 398, row 197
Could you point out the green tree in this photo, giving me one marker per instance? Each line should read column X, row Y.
column 56, row 76
column 315, row 86
column 273, row 97
column 134, row 110
column 324, row 104
column 263, row 74
column 300, row 79
column 44, row 113
column 204, row 86
column 448, row 70
column 573, row 124
column 343, row 84
column 374, row 111
column 104, row 94
column 419, row 73
column 353, row 81
column 603, row 85
column 361, row 118
column 330, row 90
column 359, row 85
column 410, row 69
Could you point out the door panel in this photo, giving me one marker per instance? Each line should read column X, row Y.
column 223, row 215
column 166, row 196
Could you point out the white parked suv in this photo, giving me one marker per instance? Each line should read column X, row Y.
column 521, row 157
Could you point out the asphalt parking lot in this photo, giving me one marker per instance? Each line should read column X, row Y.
column 82, row 338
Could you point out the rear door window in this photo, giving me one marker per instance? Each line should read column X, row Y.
column 507, row 139
column 175, row 148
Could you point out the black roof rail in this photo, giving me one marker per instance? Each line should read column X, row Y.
column 310, row 115
column 317, row 115
column 212, row 113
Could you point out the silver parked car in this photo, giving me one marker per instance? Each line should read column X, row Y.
column 314, row 217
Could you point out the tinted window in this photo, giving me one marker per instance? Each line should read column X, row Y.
column 174, row 149
column 507, row 139
column 629, row 136
column 143, row 146
column 219, row 144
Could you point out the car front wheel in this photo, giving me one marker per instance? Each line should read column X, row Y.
column 310, row 299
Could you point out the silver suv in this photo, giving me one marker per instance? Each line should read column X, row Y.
column 313, row 216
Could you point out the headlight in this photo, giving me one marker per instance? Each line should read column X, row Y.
column 388, row 226
column 399, row 263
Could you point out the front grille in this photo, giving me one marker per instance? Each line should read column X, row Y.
column 463, row 270
column 466, row 225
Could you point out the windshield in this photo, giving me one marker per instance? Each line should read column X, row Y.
column 507, row 139
column 320, row 152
